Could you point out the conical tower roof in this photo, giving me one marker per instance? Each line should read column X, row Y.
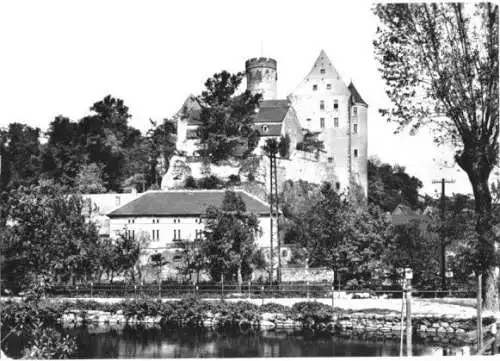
column 356, row 97
column 322, row 71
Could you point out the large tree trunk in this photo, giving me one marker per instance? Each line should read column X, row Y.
column 478, row 168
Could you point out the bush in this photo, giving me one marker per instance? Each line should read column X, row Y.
column 210, row 182
column 313, row 312
column 275, row 308
column 190, row 182
column 234, row 179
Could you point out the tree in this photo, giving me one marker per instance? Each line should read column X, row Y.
column 389, row 186
column 48, row 235
column 284, row 146
column 229, row 238
column 89, row 179
column 226, row 128
column 440, row 66
column 118, row 256
column 192, row 259
column 20, row 155
column 311, row 144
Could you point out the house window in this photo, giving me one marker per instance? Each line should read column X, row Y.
column 328, row 86
column 330, row 159
column 355, row 128
column 199, row 234
column 356, row 153
column 322, row 122
column 308, row 119
column 284, row 253
column 265, row 128
column 336, row 122
column 337, row 185
column 335, row 104
column 154, row 235
column 315, row 87
column 157, row 234
column 322, row 71
column 176, row 237
column 354, row 111
column 321, row 105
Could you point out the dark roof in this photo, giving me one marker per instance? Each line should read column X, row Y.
column 183, row 203
column 404, row 214
column 356, row 98
column 272, row 111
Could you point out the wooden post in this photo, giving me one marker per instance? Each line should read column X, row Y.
column 403, row 300
column 222, row 287
column 333, row 297
column 408, row 321
column 479, row 312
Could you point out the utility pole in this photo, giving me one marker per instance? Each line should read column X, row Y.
column 277, row 217
column 271, row 217
column 442, row 232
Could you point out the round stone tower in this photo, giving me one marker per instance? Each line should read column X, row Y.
column 262, row 77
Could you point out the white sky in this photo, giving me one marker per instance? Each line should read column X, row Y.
column 59, row 57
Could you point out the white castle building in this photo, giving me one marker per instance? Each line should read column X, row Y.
column 322, row 103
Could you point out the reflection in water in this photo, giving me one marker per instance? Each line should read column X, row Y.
column 140, row 342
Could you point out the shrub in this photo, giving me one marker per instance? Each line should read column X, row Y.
column 210, row 182
column 312, row 312
column 275, row 308
column 190, row 182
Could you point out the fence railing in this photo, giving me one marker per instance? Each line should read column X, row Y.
column 226, row 290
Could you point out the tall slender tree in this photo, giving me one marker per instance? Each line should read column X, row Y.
column 440, row 65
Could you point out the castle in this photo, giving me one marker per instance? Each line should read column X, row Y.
column 321, row 103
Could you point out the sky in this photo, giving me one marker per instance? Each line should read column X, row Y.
column 60, row 57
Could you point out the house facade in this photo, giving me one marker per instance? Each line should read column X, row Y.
column 166, row 218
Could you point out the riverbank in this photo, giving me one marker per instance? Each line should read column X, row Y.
column 434, row 322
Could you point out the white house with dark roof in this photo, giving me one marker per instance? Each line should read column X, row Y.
column 169, row 217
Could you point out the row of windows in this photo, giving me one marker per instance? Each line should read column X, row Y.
column 328, row 87
column 335, row 124
column 336, row 107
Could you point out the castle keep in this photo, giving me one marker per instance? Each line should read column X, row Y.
column 322, row 103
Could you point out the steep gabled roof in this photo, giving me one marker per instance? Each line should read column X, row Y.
column 272, row 111
column 322, row 72
column 191, row 203
column 190, row 110
column 356, row 98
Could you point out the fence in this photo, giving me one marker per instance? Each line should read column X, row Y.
column 227, row 290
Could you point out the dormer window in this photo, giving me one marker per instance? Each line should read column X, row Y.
column 315, row 87
column 265, row 128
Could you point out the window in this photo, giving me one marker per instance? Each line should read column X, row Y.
column 337, row 185
column 321, row 105
column 356, row 153
column 328, row 86
column 330, row 159
column 177, row 234
column 315, row 87
column 284, row 253
column 336, row 122
column 157, row 234
column 199, row 234
column 335, row 105
column 308, row 119
column 154, row 235
column 117, row 201
column 354, row 111
column 355, row 128
column 133, row 234
column 322, row 122
column 265, row 128
column 322, row 71
column 192, row 134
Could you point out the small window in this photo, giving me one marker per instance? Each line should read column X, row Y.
column 265, row 128
column 315, row 87
column 308, row 119
column 133, row 234
column 321, row 105
column 336, row 122
column 355, row 128
column 330, row 159
column 337, row 185
column 356, row 153
column 355, row 111
column 335, row 105
column 157, row 234
column 284, row 253
column 322, row 71
column 153, row 234
column 328, row 86
column 322, row 123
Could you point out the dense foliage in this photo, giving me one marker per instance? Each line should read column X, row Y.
column 226, row 128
